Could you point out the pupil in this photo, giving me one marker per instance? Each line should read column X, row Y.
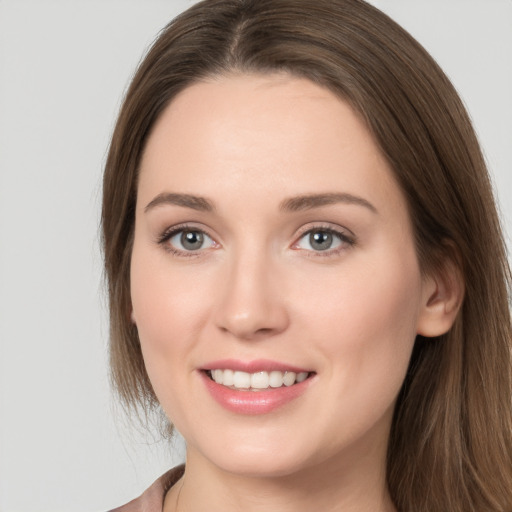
column 320, row 240
column 192, row 240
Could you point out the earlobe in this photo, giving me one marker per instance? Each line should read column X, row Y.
column 442, row 300
column 132, row 317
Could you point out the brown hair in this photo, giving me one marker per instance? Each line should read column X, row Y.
column 451, row 440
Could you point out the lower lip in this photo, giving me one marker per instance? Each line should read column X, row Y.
column 254, row 402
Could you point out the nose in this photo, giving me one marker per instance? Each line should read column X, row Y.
column 252, row 305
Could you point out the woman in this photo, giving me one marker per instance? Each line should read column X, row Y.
column 306, row 269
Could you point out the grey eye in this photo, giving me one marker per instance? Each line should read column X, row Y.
column 190, row 240
column 320, row 240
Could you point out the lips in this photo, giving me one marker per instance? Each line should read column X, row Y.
column 254, row 366
column 255, row 387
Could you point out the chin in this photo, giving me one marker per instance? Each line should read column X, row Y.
column 265, row 459
column 259, row 466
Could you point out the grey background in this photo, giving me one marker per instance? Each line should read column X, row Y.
column 64, row 445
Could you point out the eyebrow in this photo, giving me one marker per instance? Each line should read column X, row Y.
column 307, row 202
column 187, row 200
column 292, row 204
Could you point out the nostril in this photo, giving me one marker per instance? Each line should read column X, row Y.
column 264, row 330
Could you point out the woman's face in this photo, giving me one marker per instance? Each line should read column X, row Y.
column 273, row 245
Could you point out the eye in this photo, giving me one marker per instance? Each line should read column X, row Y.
column 187, row 240
column 322, row 239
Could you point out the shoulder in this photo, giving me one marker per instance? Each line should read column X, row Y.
column 152, row 499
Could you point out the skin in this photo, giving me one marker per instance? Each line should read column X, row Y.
column 258, row 289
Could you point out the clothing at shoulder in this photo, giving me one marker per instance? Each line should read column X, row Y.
column 152, row 500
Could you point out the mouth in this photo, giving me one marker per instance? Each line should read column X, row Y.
column 258, row 386
column 255, row 387
column 257, row 381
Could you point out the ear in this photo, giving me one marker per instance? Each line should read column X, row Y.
column 443, row 293
column 132, row 317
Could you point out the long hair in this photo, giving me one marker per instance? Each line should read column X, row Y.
column 450, row 447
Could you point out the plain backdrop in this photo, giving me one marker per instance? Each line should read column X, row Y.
column 64, row 65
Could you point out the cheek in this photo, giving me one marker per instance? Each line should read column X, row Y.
column 170, row 310
column 366, row 326
column 169, row 306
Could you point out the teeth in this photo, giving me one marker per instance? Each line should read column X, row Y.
column 228, row 377
column 259, row 380
column 276, row 379
column 289, row 378
column 241, row 380
column 218, row 376
column 302, row 376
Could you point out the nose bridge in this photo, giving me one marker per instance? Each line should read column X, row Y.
column 252, row 305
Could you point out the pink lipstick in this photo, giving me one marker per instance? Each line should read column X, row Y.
column 254, row 387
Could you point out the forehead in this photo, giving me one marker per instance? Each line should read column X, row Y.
column 248, row 134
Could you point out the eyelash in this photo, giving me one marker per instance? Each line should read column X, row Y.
column 169, row 233
column 347, row 241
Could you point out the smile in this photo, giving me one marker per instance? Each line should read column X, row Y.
column 255, row 387
column 261, row 380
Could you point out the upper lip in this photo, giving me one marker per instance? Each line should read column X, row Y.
column 254, row 366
